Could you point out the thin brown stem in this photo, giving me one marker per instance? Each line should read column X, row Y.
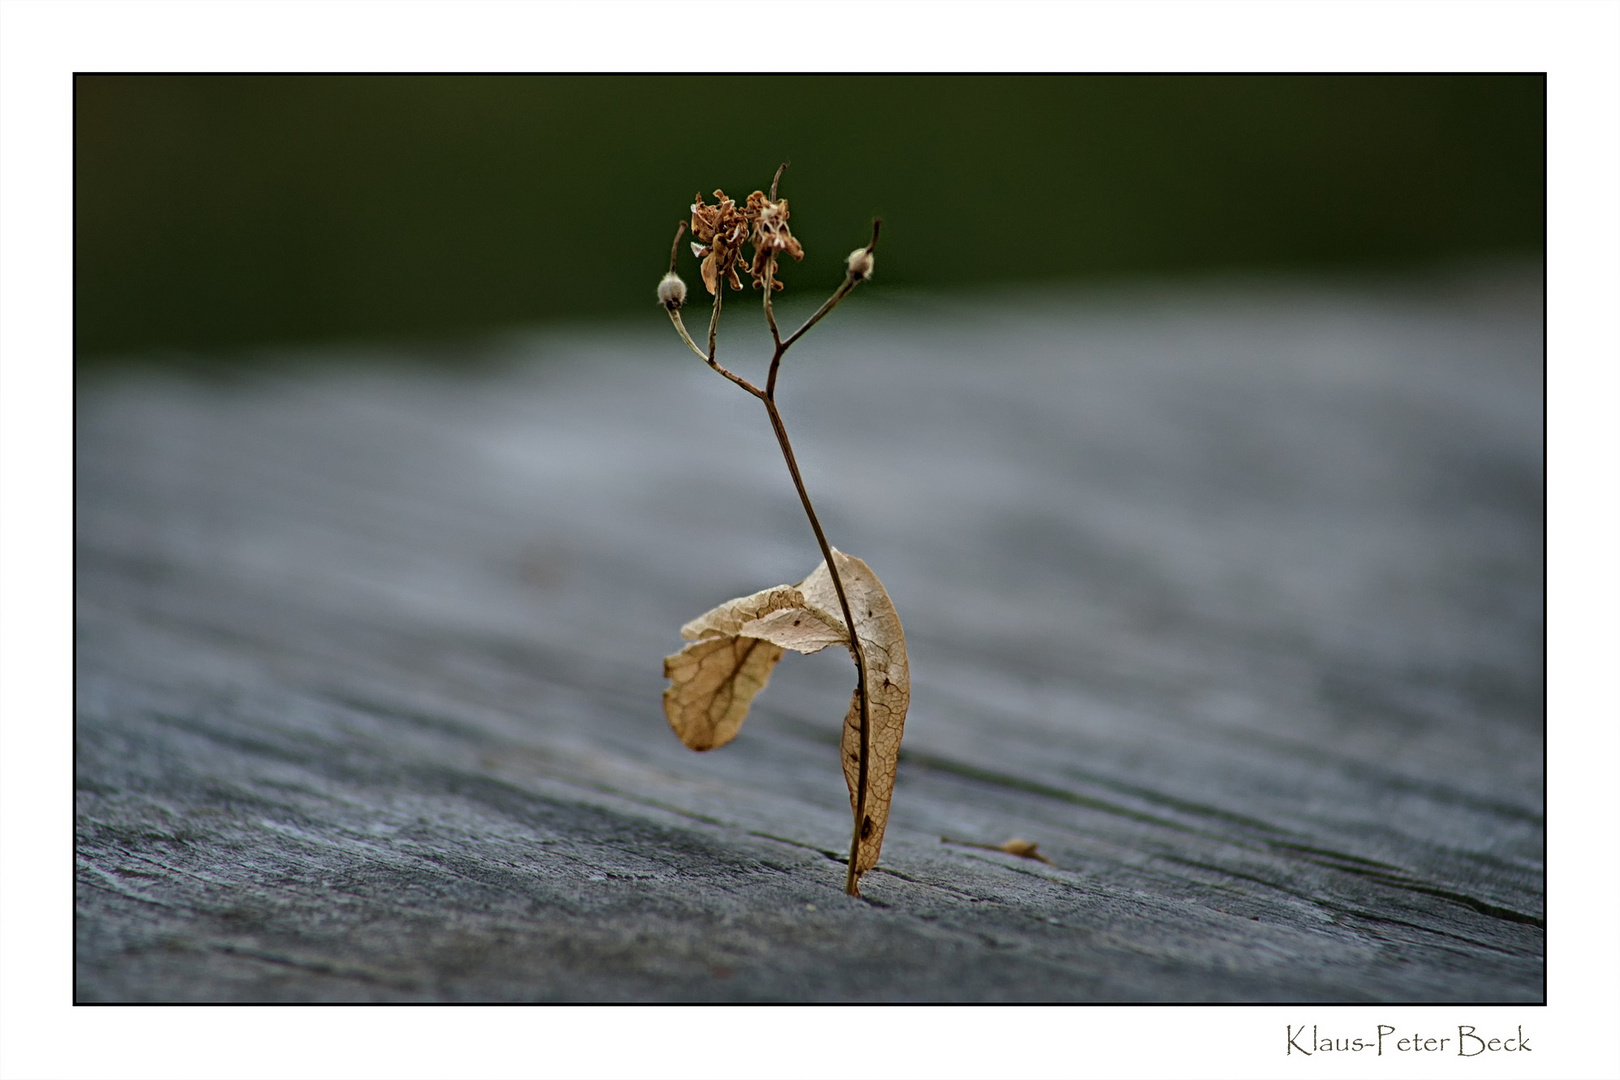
column 770, row 287
column 675, row 245
column 714, row 319
column 714, row 328
column 851, row 884
column 714, row 324
column 838, row 295
column 842, row 291
column 680, row 328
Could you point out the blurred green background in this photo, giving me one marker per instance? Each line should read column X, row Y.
column 217, row 214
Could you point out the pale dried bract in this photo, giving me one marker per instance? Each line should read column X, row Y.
column 735, row 647
column 888, row 680
column 733, row 650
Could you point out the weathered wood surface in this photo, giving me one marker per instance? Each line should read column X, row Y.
column 1230, row 600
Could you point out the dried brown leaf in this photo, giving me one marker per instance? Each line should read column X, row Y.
column 735, row 646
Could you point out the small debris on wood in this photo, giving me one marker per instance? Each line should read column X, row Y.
column 1024, row 849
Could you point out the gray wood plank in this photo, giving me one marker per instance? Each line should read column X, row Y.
column 1231, row 599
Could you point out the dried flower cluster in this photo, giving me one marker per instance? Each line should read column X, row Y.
column 770, row 236
column 721, row 230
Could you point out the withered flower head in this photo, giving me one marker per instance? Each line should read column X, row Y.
column 771, row 235
column 721, row 228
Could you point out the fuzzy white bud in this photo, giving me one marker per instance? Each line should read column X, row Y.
column 860, row 264
column 672, row 291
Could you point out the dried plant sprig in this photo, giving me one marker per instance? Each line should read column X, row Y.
column 691, row 704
